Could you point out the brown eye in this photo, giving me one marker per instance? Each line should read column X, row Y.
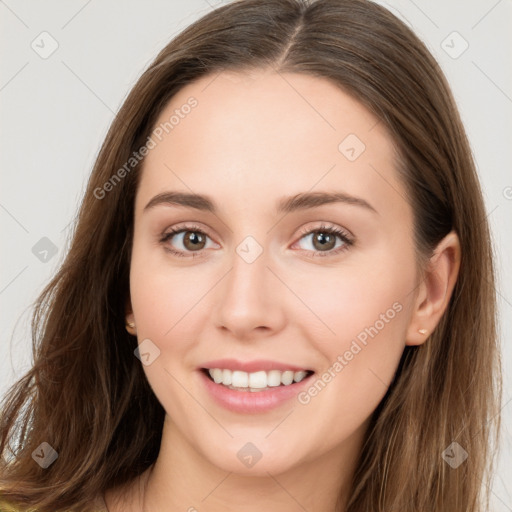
column 323, row 241
column 186, row 241
column 194, row 240
column 326, row 241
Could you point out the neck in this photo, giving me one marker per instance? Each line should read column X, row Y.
column 183, row 480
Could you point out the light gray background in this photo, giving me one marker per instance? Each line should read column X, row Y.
column 55, row 112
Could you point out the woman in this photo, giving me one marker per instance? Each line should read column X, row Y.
column 280, row 285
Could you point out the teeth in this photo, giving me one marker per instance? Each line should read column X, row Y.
column 257, row 380
column 216, row 375
column 287, row 378
column 273, row 378
column 239, row 379
column 226, row 377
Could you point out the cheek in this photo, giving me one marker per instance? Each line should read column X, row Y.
column 360, row 325
column 353, row 300
column 164, row 301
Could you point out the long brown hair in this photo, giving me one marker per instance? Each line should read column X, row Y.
column 87, row 395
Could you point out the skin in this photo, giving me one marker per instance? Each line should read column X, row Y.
column 252, row 140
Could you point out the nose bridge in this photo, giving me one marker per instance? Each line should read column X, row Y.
column 249, row 298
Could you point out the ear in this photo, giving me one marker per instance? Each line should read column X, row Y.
column 129, row 318
column 435, row 289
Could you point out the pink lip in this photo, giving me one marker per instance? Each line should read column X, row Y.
column 251, row 366
column 250, row 402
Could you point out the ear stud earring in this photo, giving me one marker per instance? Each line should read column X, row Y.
column 422, row 331
column 130, row 324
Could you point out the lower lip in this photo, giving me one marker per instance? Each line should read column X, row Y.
column 250, row 402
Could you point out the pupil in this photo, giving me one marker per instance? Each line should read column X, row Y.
column 325, row 239
column 193, row 238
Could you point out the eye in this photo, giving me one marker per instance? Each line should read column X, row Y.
column 323, row 240
column 190, row 240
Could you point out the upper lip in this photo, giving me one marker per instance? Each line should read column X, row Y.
column 252, row 366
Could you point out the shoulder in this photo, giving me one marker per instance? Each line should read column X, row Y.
column 98, row 503
column 6, row 507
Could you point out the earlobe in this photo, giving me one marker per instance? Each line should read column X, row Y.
column 435, row 290
column 129, row 319
column 130, row 325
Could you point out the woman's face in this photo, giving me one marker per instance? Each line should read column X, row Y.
column 254, row 284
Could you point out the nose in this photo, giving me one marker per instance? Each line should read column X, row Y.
column 249, row 303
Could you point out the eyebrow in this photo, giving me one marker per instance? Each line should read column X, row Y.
column 301, row 201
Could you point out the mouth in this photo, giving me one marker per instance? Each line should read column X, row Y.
column 258, row 381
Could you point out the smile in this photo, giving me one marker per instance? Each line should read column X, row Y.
column 252, row 387
column 255, row 381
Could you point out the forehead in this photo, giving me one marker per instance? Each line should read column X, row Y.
column 262, row 133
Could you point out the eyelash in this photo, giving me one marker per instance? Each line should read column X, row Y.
column 331, row 230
